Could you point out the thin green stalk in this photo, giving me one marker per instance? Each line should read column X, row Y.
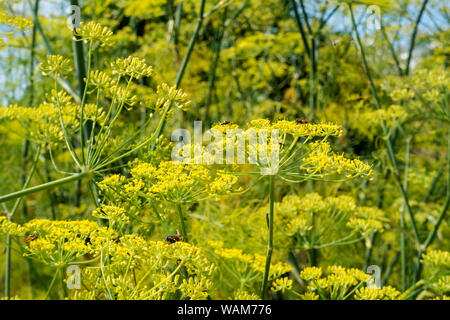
column 44, row 186
column 185, row 61
column 61, row 279
column 431, row 236
column 66, row 137
column 51, row 195
column 26, row 143
column 312, row 78
column 414, row 36
column 312, row 63
column 51, row 285
column 408, row 293
column 33, row 55
column 80, row 67
column 8, row 237
column 434, row 183
column 172, row 28
column 391, row 49
column 308, row 26
column 389, row 146
column 300, row 27
column 402, row 219
column 369, row 250
column 63, row 83
column 78, row 51
column 182, row 224
column 163, row 223
column 270, row 240
column 214, row 63
column 390, row 268
column 83, row 103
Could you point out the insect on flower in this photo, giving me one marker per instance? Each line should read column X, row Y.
column 175, row 238
column 301, row 121
column 31, row 237
column 225, row 123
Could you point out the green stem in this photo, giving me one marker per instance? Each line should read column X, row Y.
column 63, row 83
column 214, row 63
column 51, row 285
column 300, row 28
column 312, row 78
column 391, row 49
column 402, row 220
column 389, row 146
column 42, row 187
column 369, row 250
column 186, row 58
column 440, row 219
column 414, row 36
column 182, row 224
column 83, row 103
column 63, row 285
column 390, row 268
column 80, row 65
column 163, row 223
column 8, row 237
column 270, row 240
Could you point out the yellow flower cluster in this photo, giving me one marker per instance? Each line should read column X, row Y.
column 323, row 161
column 58, row 243
column 42, row 124
column 245, row 295
column 254, row 262
column 437, row 258
column 365, row 226
column 223, row 184
column 94, row 33
column 318, row 222
column 168, row 97
column 339, row 283
column 11, row 228
column 132, row 67
column 123, row 95
column 311, row 273
column 297, row 129
column 17, row 22
column 281, row 284
column 174, row 182
column 145, row 270
column 423, row 93
column 309, row 296
column 128, row 266
column 384, row 293
column 55, row 66
column 100, row 80
column 114, row 214
column 369, row 121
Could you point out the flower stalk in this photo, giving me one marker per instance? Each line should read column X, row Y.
column 270, row 239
